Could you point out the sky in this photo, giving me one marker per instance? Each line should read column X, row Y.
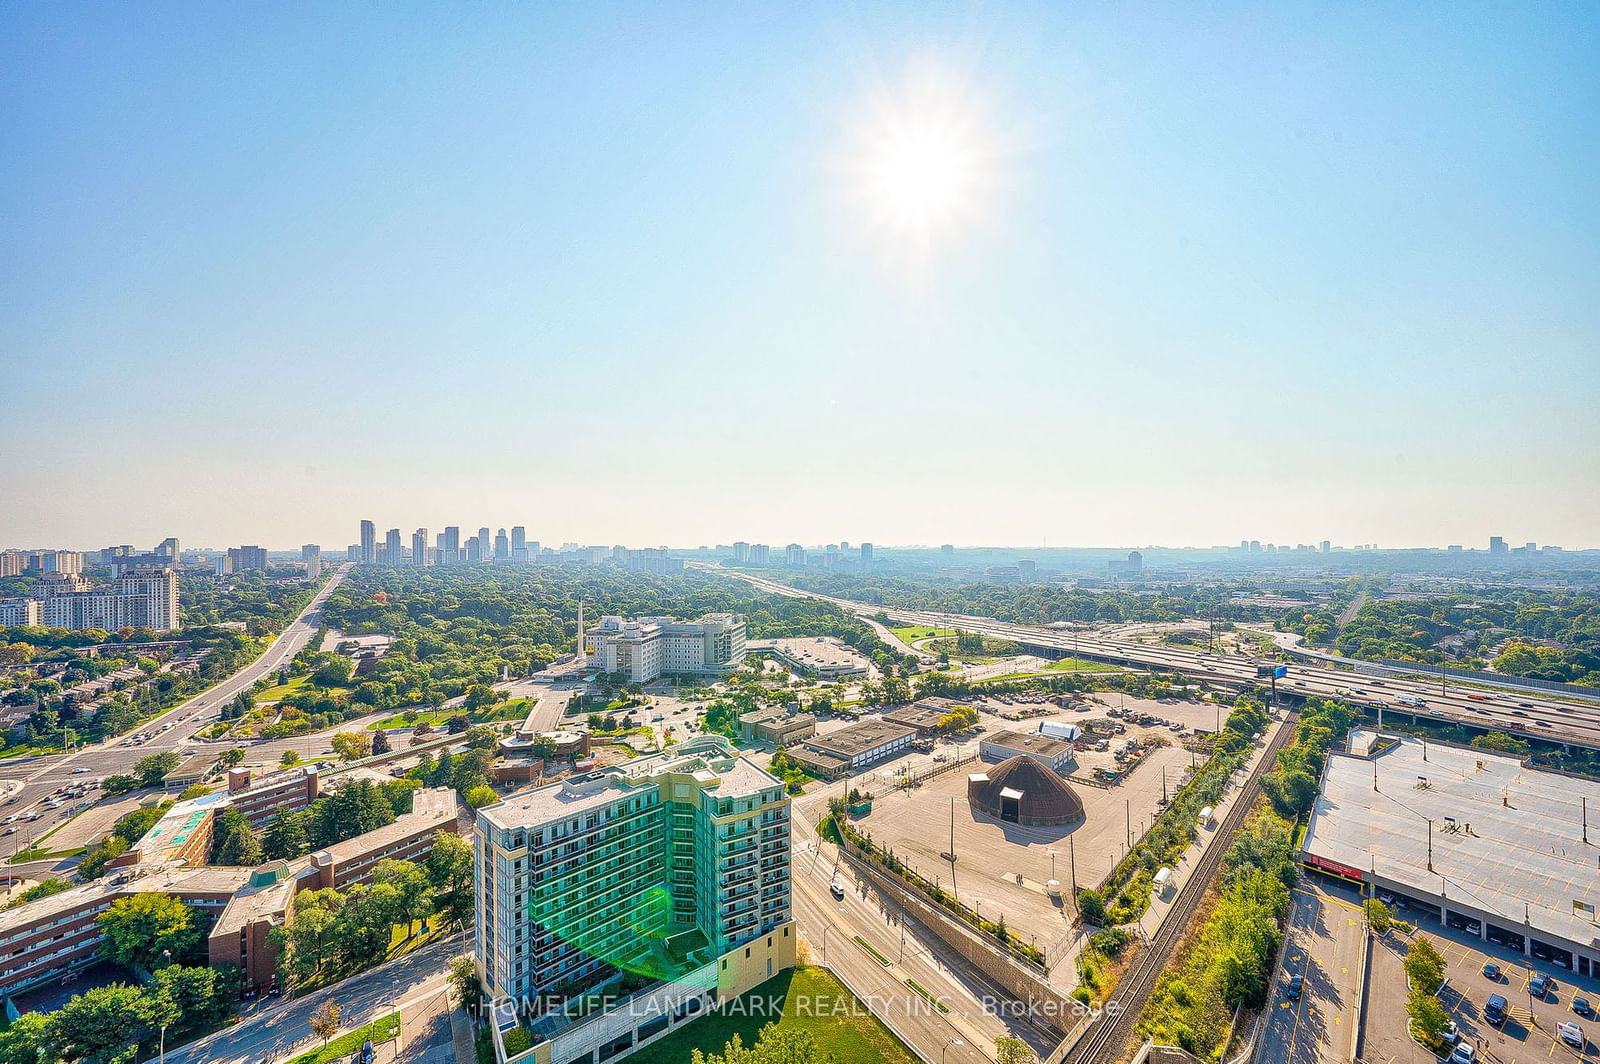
column 1006, row 274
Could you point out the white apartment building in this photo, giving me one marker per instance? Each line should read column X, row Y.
column 16, row 612
column 140, row 598
column 648, row 647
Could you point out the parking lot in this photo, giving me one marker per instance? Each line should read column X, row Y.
column 1529, row 1031
column 992, row 856
column 1326, row 942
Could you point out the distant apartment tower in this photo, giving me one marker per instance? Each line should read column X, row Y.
column 62, row 561
column 760, row 554
column 311, row 557
column 794, row 556
column 485, row 544
column 519, row 540
column 579, row 880
column 139, row 598
column 474, row 550
column 1497, row 545
column 1326, row 546
column 12, row 563
column 449, row 551
column 947, row 549
column 247, row 557
column 741, row 553
column 419, row 547
column 168, row 548
column 1027, row 570
column 648, row 647
column 369, row 543
column 502, row 547
column 866, row 555
column 394, row 551
column 17, row 612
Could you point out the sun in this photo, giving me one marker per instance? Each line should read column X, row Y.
column 921, row 158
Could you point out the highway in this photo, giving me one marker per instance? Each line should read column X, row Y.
column 1515, row 710
column 42, row 776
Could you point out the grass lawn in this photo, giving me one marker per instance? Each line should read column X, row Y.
column 380, row 1030
column 279, row 691
column 515, row 709
column 920, row 631
column 835, row 1018
column 1080, row 665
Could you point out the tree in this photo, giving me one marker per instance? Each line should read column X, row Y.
column 1091, row 906
column 1430, row 1018
column 1010, row 1050
column 1424, row 966
column 773, row 1045
column 311, row 938
column 152, row 769
column 289, row 759
column 1378, row 915
column 106, row 1023
column 481, row 737
column 380, row 742
column 352, row 746
column 463, row 979
column 457, row 724
column 26, row 1040
column 411, row 886
column 366, row 923
column 118, row 783
column 480, row 796
column 449, row 867
column 353, row 809
column 285, row 837
column 233, row 843
column 94, row 862
column 148, row 929
column 232, row 758
column 325, row 1021
column 199, row 995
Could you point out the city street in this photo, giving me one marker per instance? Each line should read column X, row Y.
column 276, row 1029
column 43, row 775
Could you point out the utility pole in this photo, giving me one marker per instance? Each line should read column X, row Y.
column 1430, row 845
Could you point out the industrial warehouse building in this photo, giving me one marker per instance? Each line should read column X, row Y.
column 1477, row 840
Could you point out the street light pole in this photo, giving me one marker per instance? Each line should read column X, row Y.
column 956, row 1041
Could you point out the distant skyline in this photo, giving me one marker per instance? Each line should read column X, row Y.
column 1005, row 274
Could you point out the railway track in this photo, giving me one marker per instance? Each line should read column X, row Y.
column 1105, row 1038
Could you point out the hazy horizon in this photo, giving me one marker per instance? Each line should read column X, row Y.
column 1017, row 274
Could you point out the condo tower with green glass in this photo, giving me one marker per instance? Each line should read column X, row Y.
column 630, row 874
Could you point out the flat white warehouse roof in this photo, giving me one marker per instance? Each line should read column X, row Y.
column 1504, row 836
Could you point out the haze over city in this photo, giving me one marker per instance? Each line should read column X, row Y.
column 978, row 275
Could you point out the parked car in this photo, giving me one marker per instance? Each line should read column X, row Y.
column 1297, row 982
column 1464, row 1053
column 1494, row 1010
column 1540, row 985
column 1581, row 1006
column 1571, row 1034
column 1491, row 971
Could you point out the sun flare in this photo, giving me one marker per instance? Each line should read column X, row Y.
column 922, row 158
